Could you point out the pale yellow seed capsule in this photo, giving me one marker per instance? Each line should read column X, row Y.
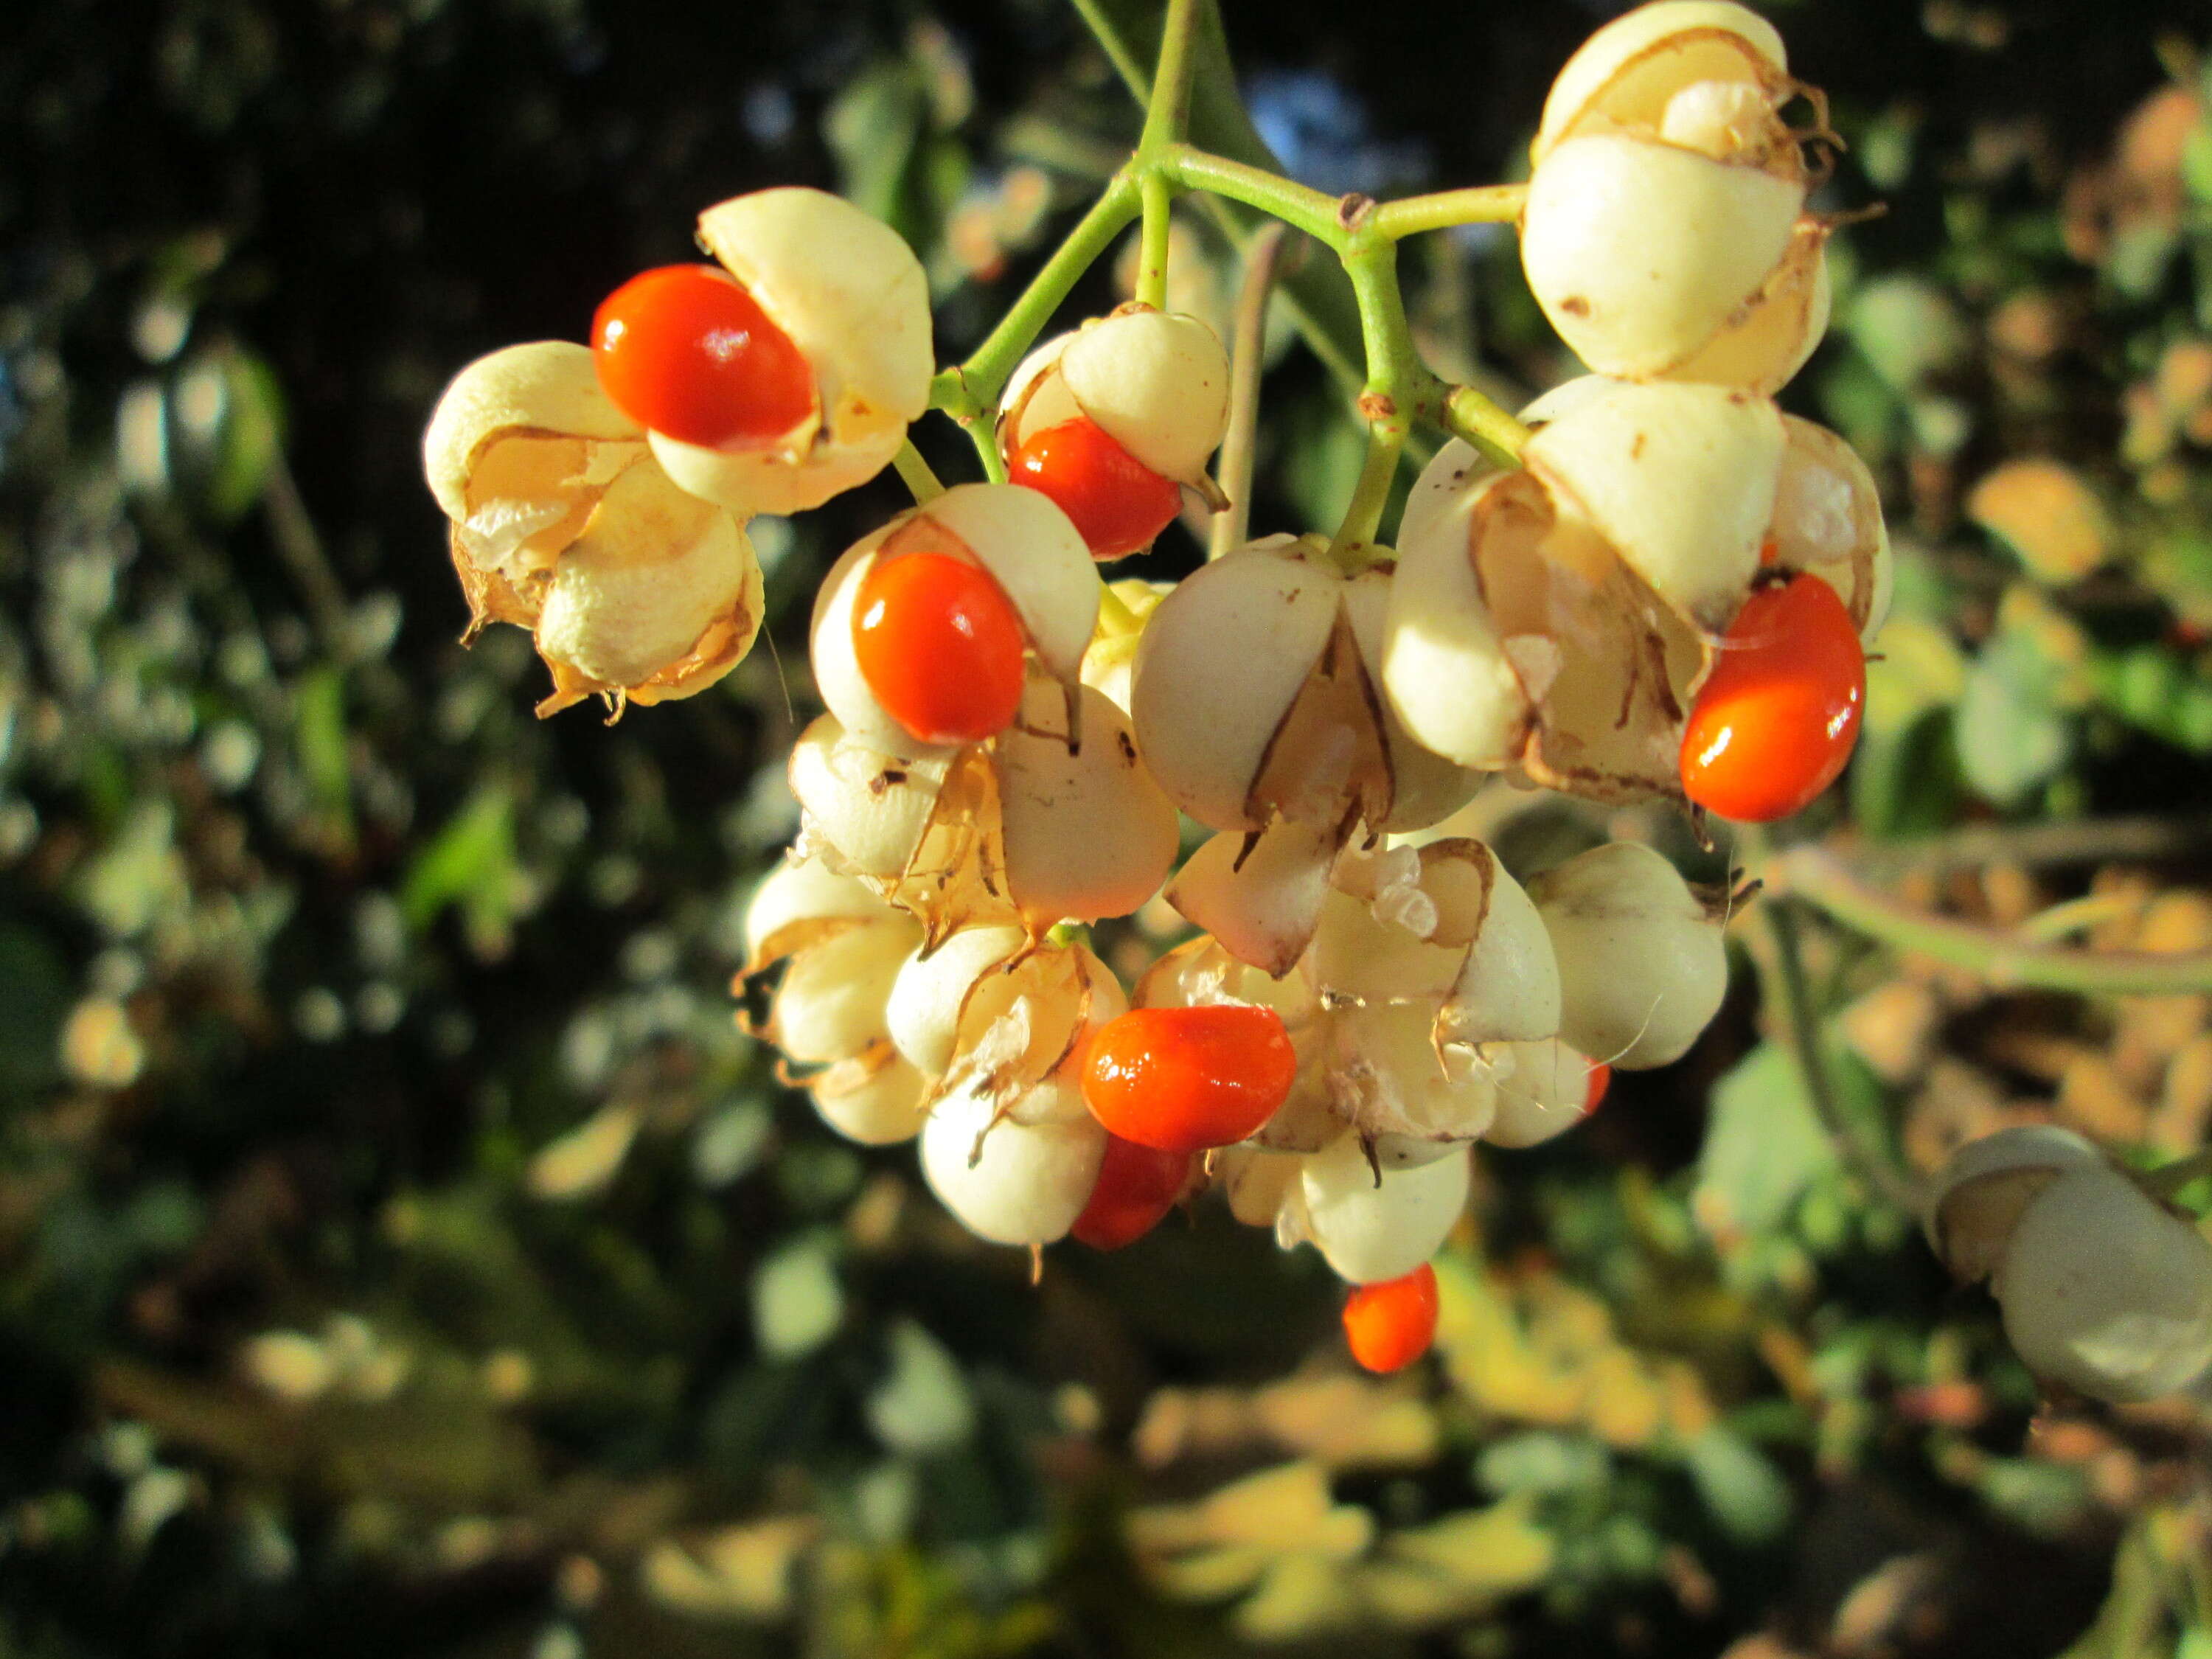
column 1155, row 382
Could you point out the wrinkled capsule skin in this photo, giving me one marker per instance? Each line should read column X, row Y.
column 849, row 294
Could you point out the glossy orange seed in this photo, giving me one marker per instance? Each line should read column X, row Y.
column 1182, row 1079
column 1774, row 724
column 1117, row 502
column 1600, row 1079
column 1137, row 1186
column 686, row 350
column 1389, row 1326
column 940, row 646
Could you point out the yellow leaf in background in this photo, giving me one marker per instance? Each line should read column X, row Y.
column 1457, row 1565
column 1299, row 1596
column 584, row 1159
column 740, row 1572
column 2042, row 511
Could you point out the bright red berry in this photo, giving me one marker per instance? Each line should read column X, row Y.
column 1390, row 1325
column 941, row 645
column 686, row 350
column 1773, row 725
column 1137, row 1186
column 1118, row 502
column 1600, row 1080
column 1182, row 1079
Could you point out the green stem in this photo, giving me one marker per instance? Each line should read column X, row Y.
column 914, row 473
column 1790, row 998
column 2004, row 960
column 971, row 389
column 2165, row 1182
column 1159, row 198
column 1168, row 114
column 1363, row 515
column 1477, row 205
column 1319, row 217
column 1241, row 443
column 1468, row 414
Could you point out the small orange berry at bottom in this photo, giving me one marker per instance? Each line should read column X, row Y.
column 1389, row 1326
column 1600, row 1079
column 1775, row 720
column 688, row 351
column 940, row 646
column 1136, row 1187
column 1117, row 502
column 1183, row 1080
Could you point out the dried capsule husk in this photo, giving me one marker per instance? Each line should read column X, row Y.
column 1444, row 925
column 657, row 598
column 1543, row 1092
column 1155, row 382
column 1017, row 537
column 923, row 1015
column 1606, row 668
column 843, row 946
column 1201, row 973
column 1680, row 480
column 923, row 832
column 1642, row 963
column 1654, row 261
column 1627, row 73
column 1008, row 1181
column 2105, row 1291
column 1372, row 1225
column 1020, row 1037
column 1260, row 894
column 1827, row 521
column 1407, row 1100
column 1425, row 787
column 875, row 1097
column 851, row 295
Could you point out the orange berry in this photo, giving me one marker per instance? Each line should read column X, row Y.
column 1773, row 725
column 940, row 646
column 1118, row 502
column 686, row 350
column 1390, row 1325
column 1183, row 1080
column 1600, row 1080
column 1137, row 1186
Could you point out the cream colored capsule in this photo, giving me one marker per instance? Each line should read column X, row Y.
column 795, row 900
column 1425, row 787
column 1543, row 1092
column 1222, row 663
column 1010, row 1182
column 1977, row 1198
column 875, row 1098
column 830, row 1005
column 1644, row 256
column 1443, row 662
column 1408, row 1101
column 1020, row 1034
column 1373, row 1225
column 1261, row 894
column 1627, row 74
column 850, row 294
column 923, row 1015
column 1642, row 965
column 1680, row 480
column 1508, row 988
column 1155, row 382
column 1087, row 834
column 1827, row 520
column 657, row 598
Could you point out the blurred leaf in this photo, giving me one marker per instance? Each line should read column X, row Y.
column 1908, row 783
column 31, row 1011
column 2160, row 691
column 471, row 863
column 1763, row 1146
column 798, row 1302
column 1741, row 1488
column 319, row 729
column 872, row 127
column 1908, row 329
column 1542, row 1464
column 924, row 1405
column 2045, row 514
column 2011, row 737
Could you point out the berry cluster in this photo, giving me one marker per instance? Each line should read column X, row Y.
column 1666, row 598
